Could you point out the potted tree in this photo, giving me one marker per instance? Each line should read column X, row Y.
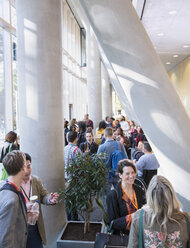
column 88, row 181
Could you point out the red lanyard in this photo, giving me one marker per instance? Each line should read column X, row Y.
column 17, row 189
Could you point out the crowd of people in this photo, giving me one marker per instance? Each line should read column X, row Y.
column 132, row 169
column 164, row 221
column 111, row 135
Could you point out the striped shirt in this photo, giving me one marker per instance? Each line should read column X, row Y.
column 70, row 151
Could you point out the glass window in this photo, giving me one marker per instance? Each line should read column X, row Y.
column 74, row 82
column 15, row 84
column 5, row 10
column 13, row 16
column 2, row 89
column 83, row 47
column 8, row 68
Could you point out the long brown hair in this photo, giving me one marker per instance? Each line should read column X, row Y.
column 11, row 137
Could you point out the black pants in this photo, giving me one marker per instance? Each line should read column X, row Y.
column 34, row 240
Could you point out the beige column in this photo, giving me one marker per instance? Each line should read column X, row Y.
column 93, row 79
column 40, row 99
column 106, row 93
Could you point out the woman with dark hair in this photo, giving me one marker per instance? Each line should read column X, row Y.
column 81, row 133
column 72, row 128
column 66, row 130
column 117, row 124
column 164, row 224
column 140, row 136
column 122, row 138
column 10, row 144
column 125, row 199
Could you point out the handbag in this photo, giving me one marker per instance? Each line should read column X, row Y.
column 188, row 231
column 108, row 240
column 141, row 240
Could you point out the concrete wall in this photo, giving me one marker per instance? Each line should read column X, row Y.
column 142, row 81
column 180, row 77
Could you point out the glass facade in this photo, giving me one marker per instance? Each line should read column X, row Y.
column 8, row 68
column 2, row 89
column 74, row 71
column 74, row 75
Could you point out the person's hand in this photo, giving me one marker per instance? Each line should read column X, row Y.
column 29, row 206
column 32, row 215
column 134, row 161
column 53, row 198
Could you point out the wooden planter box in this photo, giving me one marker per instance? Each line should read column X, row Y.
column 71, row 228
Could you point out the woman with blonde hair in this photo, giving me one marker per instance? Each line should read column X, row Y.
column 164, row 224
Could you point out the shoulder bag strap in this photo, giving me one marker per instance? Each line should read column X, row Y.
column 120, row 146
column 116, row 145
column 75, row 150
column 141, row 240
column 68, row 158
column 10, row 147
column 188, row 231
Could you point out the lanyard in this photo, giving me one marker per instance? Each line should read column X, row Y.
column 14, row 185
column 135, row 204
column 22, row 196
column 24, row 192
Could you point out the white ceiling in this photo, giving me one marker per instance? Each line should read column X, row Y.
column 175, row 28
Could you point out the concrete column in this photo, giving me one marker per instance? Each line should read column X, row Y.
column 133, row 63
column 40, row 99
column 106, row 93
column 93, row 79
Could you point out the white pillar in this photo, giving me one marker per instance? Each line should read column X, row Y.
column 40, row 99
column 137, row 70
column 93, row 79
column 106, row 93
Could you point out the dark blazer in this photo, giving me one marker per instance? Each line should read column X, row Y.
column 93, row 148
column 117, row 210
